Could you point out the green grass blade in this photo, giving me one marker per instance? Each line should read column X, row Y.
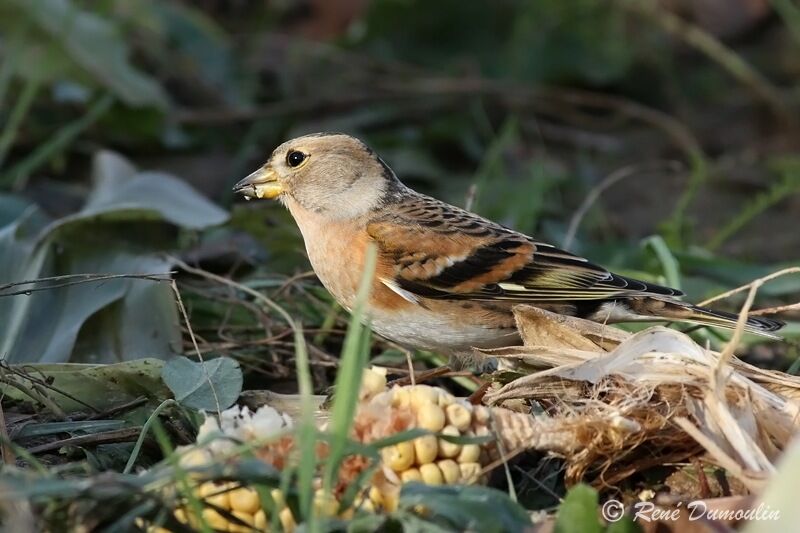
column 669, row 264
column 18, row 175
column 348, row 379
column 20, row 110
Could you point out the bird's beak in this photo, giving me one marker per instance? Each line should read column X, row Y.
column 263, row 183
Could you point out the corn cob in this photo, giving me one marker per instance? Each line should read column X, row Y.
column 432, row 459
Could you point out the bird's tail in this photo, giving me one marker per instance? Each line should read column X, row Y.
column 755, row 324
column 669, row 309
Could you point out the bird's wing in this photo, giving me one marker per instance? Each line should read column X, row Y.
column 435, row 250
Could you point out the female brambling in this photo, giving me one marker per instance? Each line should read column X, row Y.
column 446, row 279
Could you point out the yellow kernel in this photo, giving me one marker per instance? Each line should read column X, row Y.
column 247, row 518
column 458, row 416
column 287, row 520
column 482, row 431
column 180, row 515
column 277, row 497
column 445, row 399
column 372, row 383
column 450, row 471
column 430, row 417
column 422, row 395
column 400, row 397
column 214, row 519
column 365, row 504
column 390, row 502
column 325, row 504
column 426, row 448
column 260, row 520
column 245, row 500
column 470, row 453
column 376, row 496
column 412, row 474
column 215, row 494
column 431, row 475
column 470, row 472
column 195, row 457
column 481, row 414
column 399, row 457
column 449, row 449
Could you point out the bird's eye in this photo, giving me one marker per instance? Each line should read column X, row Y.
column 295, row 158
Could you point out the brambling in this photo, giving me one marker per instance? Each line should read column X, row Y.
column 446, row 279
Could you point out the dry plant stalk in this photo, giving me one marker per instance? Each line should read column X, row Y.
column 619, row 394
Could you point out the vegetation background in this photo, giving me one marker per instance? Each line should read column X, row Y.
column 660, row 138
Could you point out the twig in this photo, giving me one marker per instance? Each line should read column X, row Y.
column 610, row 180
column 185, row 316
column 472, row 192
column 36, row 395
column 775, row 310
column 42, row 383
column 82, row 278
column 118, row 408
column 104, row 437
column 9, row 457
column 760, row 281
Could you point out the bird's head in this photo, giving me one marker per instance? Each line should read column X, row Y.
column 330, row 173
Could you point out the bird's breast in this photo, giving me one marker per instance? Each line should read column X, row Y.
column 337, row 252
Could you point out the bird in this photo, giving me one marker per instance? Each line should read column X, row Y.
column 446, row 280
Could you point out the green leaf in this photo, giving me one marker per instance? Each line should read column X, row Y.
column 579, row 511
column 463, row 508
column 209, row 385
column 116, row 320
column 68, row 38
column 624, row 525
column 101, row 386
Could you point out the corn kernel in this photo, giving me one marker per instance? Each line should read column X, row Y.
column 246, row 527
column 215, row 494
column 412, row 474
column 430, row 417
column 375, row 495
column 470, row 472
column 181, row 516
column 195, row 457
column 431, row 474
column 287, row 520
column 458, row 416
column 245, row 500
column 260, row 520
column 481, row 414
column 365, row 504
column 214, row 519
column 426, row 448
column 450, row 471
column 400, row 397
column 449, row 449
column 372, row 383
column 470, row 453
column 445, row 399
column 390, row 501
column 277, row 497
column 399, row 457
column 325, row 504
column 422, row 395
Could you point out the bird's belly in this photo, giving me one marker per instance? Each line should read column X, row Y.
column 425, row 330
